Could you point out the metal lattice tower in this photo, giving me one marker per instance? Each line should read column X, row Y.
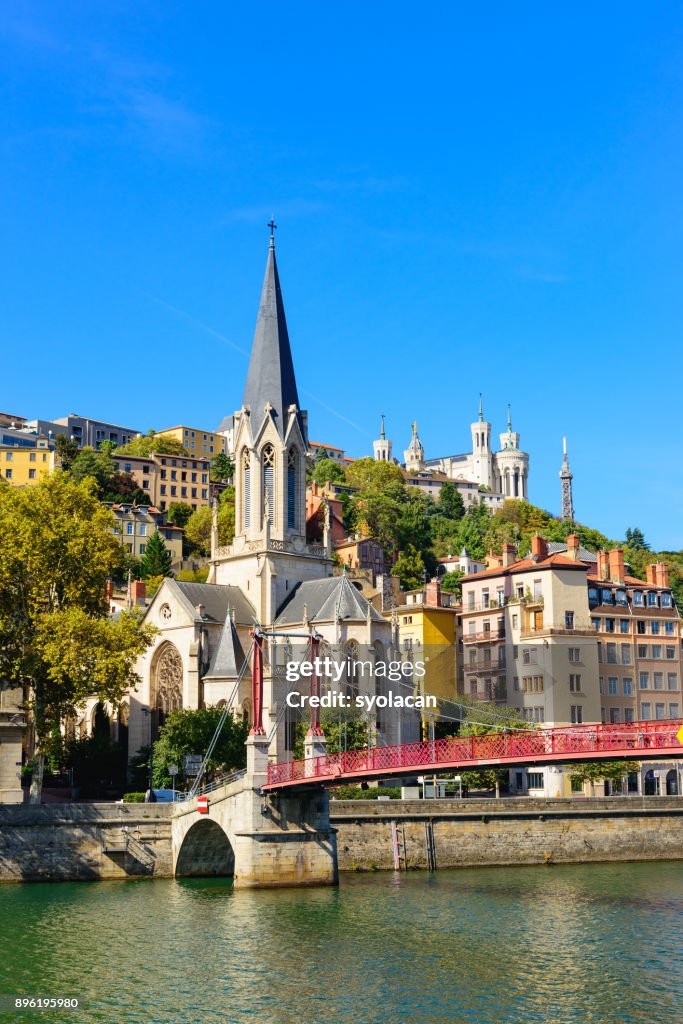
column 566, row 476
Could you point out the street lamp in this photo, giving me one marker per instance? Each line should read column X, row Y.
column 150, row 798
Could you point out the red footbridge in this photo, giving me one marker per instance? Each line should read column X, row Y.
column 633, row 741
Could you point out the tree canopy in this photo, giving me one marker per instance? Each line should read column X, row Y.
column 144, row 446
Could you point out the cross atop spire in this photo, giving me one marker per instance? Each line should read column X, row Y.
column 273, row 228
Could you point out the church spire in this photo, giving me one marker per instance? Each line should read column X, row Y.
column 481, row 408
column 270, row 380
column 566, row 476
column 381, row 433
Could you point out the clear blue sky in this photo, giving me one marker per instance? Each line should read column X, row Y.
column 470, row 197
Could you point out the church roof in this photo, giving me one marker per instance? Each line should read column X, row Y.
column 326, row 601
column 229, row 655
column 270, row 378
column 216, row 599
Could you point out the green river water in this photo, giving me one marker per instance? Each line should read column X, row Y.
column 560, row 945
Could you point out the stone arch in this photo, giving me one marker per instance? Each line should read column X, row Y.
column 672, row 782
column 205, row 852
column 166, row 684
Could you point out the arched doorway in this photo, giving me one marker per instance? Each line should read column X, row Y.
column 206, row 852
column 671, row 783
column 166, row 690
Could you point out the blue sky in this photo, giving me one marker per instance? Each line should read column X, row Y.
column 469, row 198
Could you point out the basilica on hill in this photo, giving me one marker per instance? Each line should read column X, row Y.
column 268, row 576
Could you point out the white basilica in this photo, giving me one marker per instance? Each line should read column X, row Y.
column 269, row 575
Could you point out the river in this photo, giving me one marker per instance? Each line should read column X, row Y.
column 558, row 945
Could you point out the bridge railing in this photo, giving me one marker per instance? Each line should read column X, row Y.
column 491, row 748
column 217, row 783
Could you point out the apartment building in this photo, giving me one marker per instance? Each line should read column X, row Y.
column 170, row 478
column 25, row 467
column 87, row 432
column 196, row 440
column 135, row 524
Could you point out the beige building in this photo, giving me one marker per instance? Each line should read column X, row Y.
column 12, row 725
column 135, row 524
column 196, row 440
column 170, row 478
column 528, row 642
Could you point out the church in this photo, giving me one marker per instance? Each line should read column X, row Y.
column 501, row 474
column 269, row 576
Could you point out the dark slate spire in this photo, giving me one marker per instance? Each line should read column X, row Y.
column 271, row 379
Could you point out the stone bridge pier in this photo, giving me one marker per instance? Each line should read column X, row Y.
column 263, row 841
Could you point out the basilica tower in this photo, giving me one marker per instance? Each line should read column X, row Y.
column 481, row 449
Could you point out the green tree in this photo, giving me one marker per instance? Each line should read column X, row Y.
column 368, row 474
column 636, row 540
column 157, row 559
column 198, row 527
column 451, row 505
column 451, row 582
column 344, row 728
column 178, row 513
column 57, row 550
column 327, row 469
column 410, row 568
column 144, row 446
column 121, row 487
column 67, row 449
column 89, row 463
column 190, row 731
column 222, row 468
column 601, row 771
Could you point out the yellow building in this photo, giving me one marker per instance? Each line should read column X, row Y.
column 24, row 467
column 135, row 524
column 427, row 623
column 195, row 440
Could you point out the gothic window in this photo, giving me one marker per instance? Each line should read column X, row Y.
column 246, row 488
column 268, row 462
column 167, row 682
column 291, row 488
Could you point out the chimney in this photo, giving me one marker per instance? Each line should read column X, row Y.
column 509, row 554
column 433, row 593
column 603, row 565
column 573, row 544
column 616, row 565
column 110, row 590
column 138, row 590
column 539, row 548
column 200, row 610
column 651, row 574
column 662, row 574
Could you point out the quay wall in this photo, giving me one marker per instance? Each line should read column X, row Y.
column 509, row 831
column 81, row 842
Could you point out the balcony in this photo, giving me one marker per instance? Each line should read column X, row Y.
column 488, row 636
column 541, row 631
column 484, row 668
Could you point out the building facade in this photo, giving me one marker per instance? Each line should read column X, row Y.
column 135, row 524
column 87, row 432
column 24, row 467
column 196, row 440
column 168, row 479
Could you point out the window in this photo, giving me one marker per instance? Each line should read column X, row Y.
column 640, row 626
column 569, row 620
column 577, row 714
column 31, row 456
column 593, row 597
column 174, row 474
column 31, row 474
column 660, row 711
column 646, row 711
column 574, row 653
column 145, row 484
column 659, row 680
column 600, row 651
column 610, row 625
column 602, row 686
column 614, row 715
column 515, row 621
column 654, row 627
column 595, row 623
column 485, row 602
column 669, row 628
column 666, row 601
column 671, row 681
column 612, row 686
column 143, row 529
column 670, row 653
column 628, row 687
column 628, row 714
column 538, row 684
column 611, row 654
column 9, row 456
column 644, row 680
column 574, row 683
column 656, row 650
column 163, row 488
column 623, row 625
column 642, row 650
column 8, row 474
column 129, row 529
column 534, row 780
column 516, row 683
column 621, row 597
column 607, row 597
column 625, row 654
column 142, row 548
column 652, row 601
column 174, row 490
column 638, row 598
column 673, row 711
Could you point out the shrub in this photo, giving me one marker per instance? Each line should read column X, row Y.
column 357, row 793
column 133, row 798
